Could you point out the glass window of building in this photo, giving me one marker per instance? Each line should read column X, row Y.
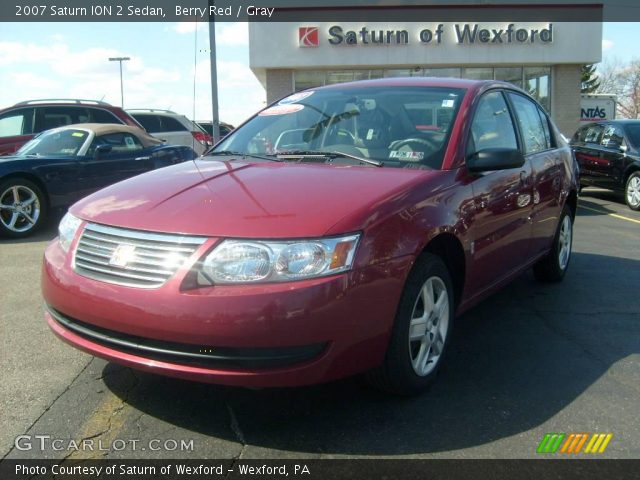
column 442, row 72
column 536, row 83
column 509, row 74
column 308, row 79
column 483, row 73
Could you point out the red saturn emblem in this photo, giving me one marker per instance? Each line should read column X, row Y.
column 308, row 37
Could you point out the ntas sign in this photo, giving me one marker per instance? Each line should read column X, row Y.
column 467, row 33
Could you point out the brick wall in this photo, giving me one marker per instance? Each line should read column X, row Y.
column 279, row 84
column 565, row 92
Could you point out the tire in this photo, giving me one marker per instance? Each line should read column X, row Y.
column 402, row 372
column 632, row 191
column 554, row 265
column 23, row 208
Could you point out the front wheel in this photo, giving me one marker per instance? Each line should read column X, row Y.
column 553, row 266
column 632, row 191
column 22, row 208
column 421, row 330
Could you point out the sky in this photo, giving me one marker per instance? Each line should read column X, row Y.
column 70, row 60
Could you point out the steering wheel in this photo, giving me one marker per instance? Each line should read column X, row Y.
column 421, row 142
column 344, row 131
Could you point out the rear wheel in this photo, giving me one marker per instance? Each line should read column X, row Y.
column 421, row 330
column 22, row 208
column 632, row 191
column 552, row 267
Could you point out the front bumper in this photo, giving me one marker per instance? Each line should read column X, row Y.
column 259, row 335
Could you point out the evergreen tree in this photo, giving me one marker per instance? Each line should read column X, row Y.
column 589, row 81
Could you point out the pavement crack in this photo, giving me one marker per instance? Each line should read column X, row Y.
column 66, row 389
column 235, row 428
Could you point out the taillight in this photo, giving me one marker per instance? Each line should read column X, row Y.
column 202, row 137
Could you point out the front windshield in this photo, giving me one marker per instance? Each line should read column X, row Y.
column 55, row 143
column 399, row 126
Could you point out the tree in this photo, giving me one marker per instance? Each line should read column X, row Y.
column 590, row 82
column 623, row 81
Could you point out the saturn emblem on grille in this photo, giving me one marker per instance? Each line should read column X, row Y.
column 122, row 255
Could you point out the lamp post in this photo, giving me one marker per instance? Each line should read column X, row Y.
column 120, row 60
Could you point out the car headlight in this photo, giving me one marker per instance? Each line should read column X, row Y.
column 242, row 261
column 67, row 230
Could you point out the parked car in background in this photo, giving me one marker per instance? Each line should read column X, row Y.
column 608, row 154
column 337, row 232
column 21, row 122
column 207, row 126
column 173, row 128
column 62, row 165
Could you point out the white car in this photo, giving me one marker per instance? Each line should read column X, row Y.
column 173, row 128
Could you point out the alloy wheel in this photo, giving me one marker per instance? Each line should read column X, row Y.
column 564, row 242
column 428, row 326
column 633, row 192
column 19, row 208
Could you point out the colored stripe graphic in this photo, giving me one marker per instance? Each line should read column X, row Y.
column 574, row 443
column 551, row 442
column 598, row 443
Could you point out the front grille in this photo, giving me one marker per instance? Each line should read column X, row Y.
column 207, row 356
column 131, row 258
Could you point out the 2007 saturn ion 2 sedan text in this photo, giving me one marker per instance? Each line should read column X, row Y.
column 338, row 231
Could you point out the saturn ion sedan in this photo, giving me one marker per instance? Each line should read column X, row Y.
column 339, row 231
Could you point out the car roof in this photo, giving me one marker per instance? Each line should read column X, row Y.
column 418, row 82
column 107, row 128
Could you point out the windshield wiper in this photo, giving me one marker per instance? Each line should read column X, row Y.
column 241, row 154
column 291, row 154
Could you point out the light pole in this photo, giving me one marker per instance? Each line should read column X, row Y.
column 120, row 60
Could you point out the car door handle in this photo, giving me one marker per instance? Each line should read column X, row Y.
column 142, row 158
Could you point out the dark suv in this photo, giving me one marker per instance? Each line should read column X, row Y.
column 609, row 157
column 21, row 122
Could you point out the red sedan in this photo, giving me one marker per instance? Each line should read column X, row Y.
column 338, row 231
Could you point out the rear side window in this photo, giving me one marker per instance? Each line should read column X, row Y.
column 53, row 117
column 120, row 142
column 593, row 134
column 170, row 124
column 151, row 123
column 545, row 128
column 533, row 133
column 103, row 116
column 16, row 122
column 613, row 136
column 492, row 126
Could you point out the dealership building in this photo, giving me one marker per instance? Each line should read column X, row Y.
column 543, row 57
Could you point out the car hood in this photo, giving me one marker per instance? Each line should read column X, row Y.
column 249, row 200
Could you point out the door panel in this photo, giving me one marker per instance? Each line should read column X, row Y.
column 502, row 199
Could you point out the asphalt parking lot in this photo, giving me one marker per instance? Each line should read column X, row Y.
column 530, row 360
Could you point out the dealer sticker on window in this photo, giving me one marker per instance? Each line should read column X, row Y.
column 406, row 155
column 281, row 109
column 296, row 97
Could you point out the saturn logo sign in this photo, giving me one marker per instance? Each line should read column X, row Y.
column 122, row 255
column 308, row 37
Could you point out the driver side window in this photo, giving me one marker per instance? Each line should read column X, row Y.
column 120, row 143
column 492, row 126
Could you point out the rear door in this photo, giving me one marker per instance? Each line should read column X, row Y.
column 588, row 152
column 611, row 167
column 546, row 164
column 502, row 198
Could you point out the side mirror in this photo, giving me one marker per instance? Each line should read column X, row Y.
column 102, row 149
column 494, row 159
